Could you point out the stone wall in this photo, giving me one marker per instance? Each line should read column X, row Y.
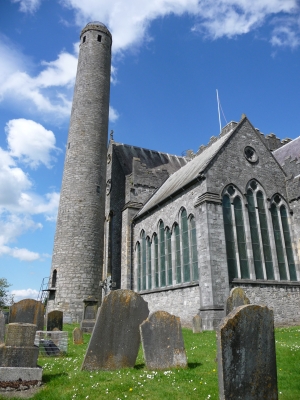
column 183, row 302
column 284, row 298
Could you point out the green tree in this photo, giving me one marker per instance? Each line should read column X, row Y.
column 4, row 296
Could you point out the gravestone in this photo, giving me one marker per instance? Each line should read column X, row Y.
column 236, row 298
column 115, row 339
column 90, row 307
column 28, row 311
column 162, row 341
column 19, row 349
column 77, row 336
column 55, row 320
column 67, row 319
column 2, row 327
column 197, row 324
column 18, row 356
column 246, row 354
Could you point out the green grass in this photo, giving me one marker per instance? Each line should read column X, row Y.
column 64, row 380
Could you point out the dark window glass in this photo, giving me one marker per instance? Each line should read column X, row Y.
column 177, row 254
column 194, row 251
column 169, row 255
column 54, row 275
column 278, row 243
column 162, row 254
column 254, row 236
column 265, row 235
column 229, row 238
column 143, row 278
column 138, row 247
column 149, row 267
column 185, row 247
column 156, row 260
column 241, row 239
column 288, row 243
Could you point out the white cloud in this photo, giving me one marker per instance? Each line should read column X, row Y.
column 129, row 20
column 113, row 114
column 28, row 6
column 49, row 91
column 30, row 142
column 286, row 32
column 24, row 294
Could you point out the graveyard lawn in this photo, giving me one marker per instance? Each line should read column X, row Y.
column 63, row 379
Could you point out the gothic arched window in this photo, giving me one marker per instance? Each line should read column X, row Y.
column 194, row 251
column 288, row 243
column 156, row 276
column 138, row 249
column 185, row 246
column 241, row 238
column 143, row 262
column 162, row 253
column 177, row 253
column 229, row 238
column 169, row 255
column 149, row 266
column 254, row 235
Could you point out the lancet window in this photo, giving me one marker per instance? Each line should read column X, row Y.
column 171, row 256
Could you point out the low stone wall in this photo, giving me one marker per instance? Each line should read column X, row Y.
column 283, row 298
column 184, row 302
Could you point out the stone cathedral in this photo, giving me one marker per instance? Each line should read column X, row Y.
column 180, row 230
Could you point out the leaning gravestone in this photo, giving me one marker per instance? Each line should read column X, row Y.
column 77, row 336
column 28, row 311
column 246, row 354
column 162, row 341
column 236, row 298
column 55, row 320
column 2, row 327
column 197, row 324
column 115, row 340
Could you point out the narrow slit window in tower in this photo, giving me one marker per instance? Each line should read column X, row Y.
column 99, row 38
column 83, row 40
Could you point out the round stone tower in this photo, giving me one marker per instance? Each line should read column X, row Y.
column 78, row 246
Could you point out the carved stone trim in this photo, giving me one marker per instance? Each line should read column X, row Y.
column 208, row 198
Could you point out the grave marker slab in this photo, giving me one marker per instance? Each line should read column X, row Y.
column 236, row 298
column 77, row 336
column 90, row 307
column 115, row 340
column 28, row 311
column 162, row 341
column 55, row 320
column 2, row 327
column 246, row 354
column 197, row 324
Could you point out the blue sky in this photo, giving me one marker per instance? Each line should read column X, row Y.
column 169, row 57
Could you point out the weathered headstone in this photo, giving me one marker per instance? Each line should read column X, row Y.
column 19, row 349
column 52, row 343
column 115, row 339
column 90, row 307
column 246, row 354
column 18, row 356
column 2, row 327
column 162, row 341
column 236, row 298
column 77, row 336
column 67, row 319
column 55, row 320
column 197, row 324
column 28, row 311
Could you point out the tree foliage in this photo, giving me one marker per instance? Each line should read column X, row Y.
column 4, row 294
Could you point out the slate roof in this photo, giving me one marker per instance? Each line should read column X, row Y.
column 151, row 158
column 186, row 174
column 291, row 149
